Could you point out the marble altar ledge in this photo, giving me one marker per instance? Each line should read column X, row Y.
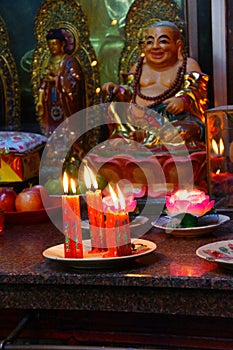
column 172, row 280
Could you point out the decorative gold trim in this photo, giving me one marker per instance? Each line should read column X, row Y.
column 141, row 14
column 9, row 83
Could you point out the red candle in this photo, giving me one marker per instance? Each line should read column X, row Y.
column 221, row 183
column 95, row 212
column 124, row 242
column 124, row 228
column 217, row 163
column 73, row 247
column 221, row 177
column 118, row 238
column 110, row 229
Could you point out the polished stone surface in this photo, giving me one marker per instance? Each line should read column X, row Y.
column 171, row 280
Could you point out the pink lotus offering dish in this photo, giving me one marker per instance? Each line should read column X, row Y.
column 194, row 202
column 187, row 206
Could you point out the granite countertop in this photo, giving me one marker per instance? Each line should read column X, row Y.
column 173, row 279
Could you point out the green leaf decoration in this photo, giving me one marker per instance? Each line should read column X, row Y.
column 187, row 220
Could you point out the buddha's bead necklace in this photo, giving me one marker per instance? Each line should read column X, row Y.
column 175, row 87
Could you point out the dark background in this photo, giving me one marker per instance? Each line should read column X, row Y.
column 18, row 16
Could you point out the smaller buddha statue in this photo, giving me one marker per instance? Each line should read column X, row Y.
column 62, row 86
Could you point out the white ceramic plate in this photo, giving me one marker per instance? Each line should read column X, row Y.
column 162, row 222
column 138, row 221
column 142, row 247
column 220, row 252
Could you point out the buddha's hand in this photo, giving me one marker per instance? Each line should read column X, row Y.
column 111, row 87
column 175, row 105
column 109, row 90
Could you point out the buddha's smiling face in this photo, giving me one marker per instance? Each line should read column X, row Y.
column 162, row 46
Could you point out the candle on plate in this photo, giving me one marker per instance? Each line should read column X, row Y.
column 117, row 228
column 71, row 216
column 95, row 212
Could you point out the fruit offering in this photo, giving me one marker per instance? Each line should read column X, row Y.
column 7, row 198
column 29, row 199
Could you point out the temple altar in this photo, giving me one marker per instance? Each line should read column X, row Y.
column 170, row 298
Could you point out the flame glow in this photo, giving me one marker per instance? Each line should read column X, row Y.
column 121, row 198
column 221, row 146
column 114, row 197
column 218, row 148
column 65, row 183
column 73, row 186
column 89, row 178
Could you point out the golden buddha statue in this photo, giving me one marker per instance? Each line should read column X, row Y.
column 165, row 89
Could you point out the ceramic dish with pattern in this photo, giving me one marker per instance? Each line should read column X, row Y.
column 220, row 252
column 162, row 223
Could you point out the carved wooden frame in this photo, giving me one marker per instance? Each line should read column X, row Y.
column 9, row 83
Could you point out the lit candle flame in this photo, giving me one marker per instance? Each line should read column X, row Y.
column 73, row 186
column 218, row 148
column 89, row 178
column 214, row 146
column 65, row 183
column 221, row 146
column 121, row 198
column 114, row 197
